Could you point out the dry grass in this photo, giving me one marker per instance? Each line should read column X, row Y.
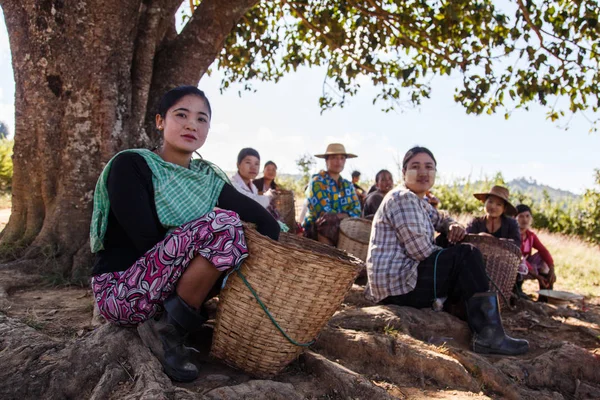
column 577, row 262
column 5, row 199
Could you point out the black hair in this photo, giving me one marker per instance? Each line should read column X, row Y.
column 523, row 208
column 174, row 95
column 413, row 152
column 245, row 152
column 355, row 174
column 270, row 163
column 383, row 171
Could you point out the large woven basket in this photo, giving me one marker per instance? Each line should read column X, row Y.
column 300, row 282
column 502, row 260
column 284, row 204
column 354, row 236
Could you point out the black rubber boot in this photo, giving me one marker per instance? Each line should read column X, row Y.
column 541, row 297
column 166, row 335
column 488, row 333
column 518, row 290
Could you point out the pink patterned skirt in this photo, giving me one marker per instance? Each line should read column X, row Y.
column 130, row 297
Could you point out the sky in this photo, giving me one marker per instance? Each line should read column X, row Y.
column 283, row 121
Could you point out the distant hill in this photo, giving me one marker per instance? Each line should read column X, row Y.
column 536, row 190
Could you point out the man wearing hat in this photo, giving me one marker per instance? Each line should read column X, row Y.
column 496, row 221
column 331, row 198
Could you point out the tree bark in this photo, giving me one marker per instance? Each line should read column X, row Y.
column 85, row 73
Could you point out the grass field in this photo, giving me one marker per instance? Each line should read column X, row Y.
column 577, row 263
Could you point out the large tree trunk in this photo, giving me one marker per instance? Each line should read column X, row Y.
column 85, row 73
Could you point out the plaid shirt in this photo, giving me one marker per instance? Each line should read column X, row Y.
column 402, row 235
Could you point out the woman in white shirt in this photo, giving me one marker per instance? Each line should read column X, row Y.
column 248, row 164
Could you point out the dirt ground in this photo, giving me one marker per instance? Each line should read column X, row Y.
column 66, row 313
column 365, row 352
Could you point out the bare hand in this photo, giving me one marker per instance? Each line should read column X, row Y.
column 485, row 234
column 434, row 201
column 456, row 233
column 543, row 282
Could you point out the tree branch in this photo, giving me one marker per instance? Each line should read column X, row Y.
column 185, row 59
column 385, row 17
column 329, row 41
column 152, row 28
column 537, row 30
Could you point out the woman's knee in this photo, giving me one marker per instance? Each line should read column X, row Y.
column 470, row 253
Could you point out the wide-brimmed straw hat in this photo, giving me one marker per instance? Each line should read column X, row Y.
column 501, row 192
column 336, row 148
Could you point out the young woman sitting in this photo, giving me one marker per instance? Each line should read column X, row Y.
column 496, row 221
column 540, row 266
column 248, row 163
column 330, row 198
column 161, row 245
column 267, row 182
column 384, row 183
column 406, row 267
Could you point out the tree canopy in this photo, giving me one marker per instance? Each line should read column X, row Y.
column 509, row 53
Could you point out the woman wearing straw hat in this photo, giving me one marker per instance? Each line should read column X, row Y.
column 331, row 198
column 406, row 267
column 496, row 221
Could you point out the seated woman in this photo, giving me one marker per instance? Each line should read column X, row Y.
column 248, row 163
column 267, row 182
column 384, row 183
column 405, row 266
column 161, row 245
column 540, row 265
column 496, row 221
column 330, row 198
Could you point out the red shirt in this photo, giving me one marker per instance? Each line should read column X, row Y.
column 530, row 241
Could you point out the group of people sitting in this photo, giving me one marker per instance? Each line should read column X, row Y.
column 166, row 228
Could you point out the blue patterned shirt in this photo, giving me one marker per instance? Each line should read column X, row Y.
column 325, row 195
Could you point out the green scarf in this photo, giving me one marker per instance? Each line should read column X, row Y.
column 180, row 194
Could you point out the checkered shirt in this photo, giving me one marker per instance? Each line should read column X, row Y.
column 402, row 235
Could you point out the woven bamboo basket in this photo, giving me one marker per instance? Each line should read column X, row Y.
column 502, row 260
column 284, row 204
column 354, row 236
column 300, row 282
